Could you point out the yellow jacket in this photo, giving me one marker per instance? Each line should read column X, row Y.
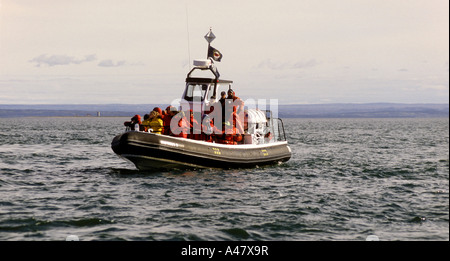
column 156, row 124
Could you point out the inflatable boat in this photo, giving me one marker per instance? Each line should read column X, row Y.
column 256, row 139
column 153, row 151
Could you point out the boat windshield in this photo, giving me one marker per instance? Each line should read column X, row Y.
column 196, row 92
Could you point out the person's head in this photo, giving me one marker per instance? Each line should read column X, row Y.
column 158, row 110
column 136, row 118
column 146, row 117
column 154, row 114
column 230, row 93
column 169, row 108
column 223, row 94
column 173, row 112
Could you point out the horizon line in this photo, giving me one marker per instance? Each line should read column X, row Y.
column 333, row 103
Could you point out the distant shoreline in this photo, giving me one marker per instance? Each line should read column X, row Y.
column 347, row 110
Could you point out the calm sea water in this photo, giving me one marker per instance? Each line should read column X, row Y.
column 347, row 179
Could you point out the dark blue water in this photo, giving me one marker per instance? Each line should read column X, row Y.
column 347, row 179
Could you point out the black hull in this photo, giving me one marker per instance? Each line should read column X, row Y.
column 150, row 151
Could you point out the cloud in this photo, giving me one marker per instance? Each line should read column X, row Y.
column 268, row 63
column 110, row 63
column 54, row 60
column 305, row 64
column 436, row 87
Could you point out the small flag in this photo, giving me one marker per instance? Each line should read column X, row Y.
column 214, row 54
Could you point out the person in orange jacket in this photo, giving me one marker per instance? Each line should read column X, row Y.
column 209, row 130
column 169, row 113
column 136, row 119
column 179, row 125
column 195, row 128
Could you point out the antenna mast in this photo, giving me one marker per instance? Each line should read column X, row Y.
column 187, row 29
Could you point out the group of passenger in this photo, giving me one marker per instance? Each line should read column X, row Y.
column 155, row 121
column 176, row 123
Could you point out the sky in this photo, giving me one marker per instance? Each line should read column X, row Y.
column 298, row 52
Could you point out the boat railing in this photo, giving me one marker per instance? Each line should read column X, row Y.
column 281, row 133
column 275, row 126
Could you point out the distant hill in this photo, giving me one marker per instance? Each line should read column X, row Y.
column 75, row 110
column 368, row 110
